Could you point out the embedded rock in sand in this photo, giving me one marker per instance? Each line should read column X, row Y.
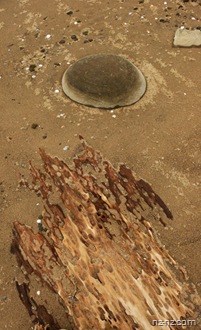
column 104, row 81
column 187, row 38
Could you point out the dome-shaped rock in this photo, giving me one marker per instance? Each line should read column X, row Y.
column 104, row 81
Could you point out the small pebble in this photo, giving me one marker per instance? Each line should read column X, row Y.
column 61, row 115
column 163, row 20
column 48, row 36
column 4, row 298
column 70, row 12
column 32, row 67
column 88, row 40
column 34, row 125
column 62, row 41
column 74, row 37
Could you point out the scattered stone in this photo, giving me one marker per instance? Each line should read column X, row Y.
column 48, row 36
column 85, row 33
column 164, row 20
column 62, row 41
column 37, row 34
column 32, row 67
column 4, row 298
column 70, row 12
column 187, row 38
column 34, row 126
column 74, row 37
column 88, row 40
column 40, row 225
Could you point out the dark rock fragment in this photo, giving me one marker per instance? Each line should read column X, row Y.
column 62, row 41
column 74, row 37
column 88, row 40
column 70, row 12
column 34, row 126
column 32, row 67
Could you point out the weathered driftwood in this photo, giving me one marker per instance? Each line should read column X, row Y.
column 99, row 252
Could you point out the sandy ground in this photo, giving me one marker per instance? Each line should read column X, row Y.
column 158, row 137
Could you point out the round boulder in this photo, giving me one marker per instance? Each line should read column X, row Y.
column 104, row 81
